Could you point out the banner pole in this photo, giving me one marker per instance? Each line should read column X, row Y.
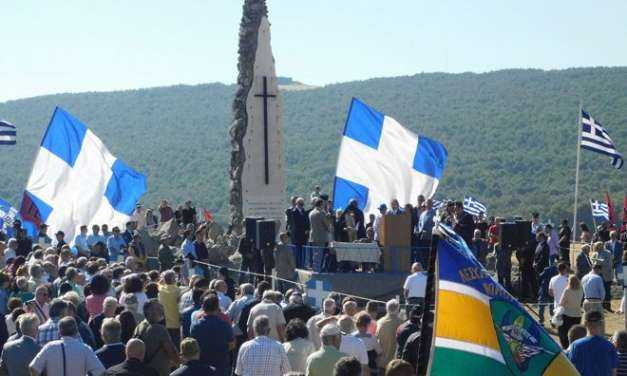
column 577, row 170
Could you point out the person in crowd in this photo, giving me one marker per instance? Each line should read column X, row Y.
column 328, row 310
column 570, row 301
column 186, row 315
column 59, row 240
column 319, row 234
column 372, row 308
column 224, row 275
column 160, row 351
column 297, row 346
column 169, row 296
column 42, row 237
column 399, row 367
column 268, row 307
column 221, row 290
column 296, row 308
column 386, row 332
column 128, row 323
column 115, row 245
column 83, row 330
column 604, row 257
column 137, row 249
column 615, row 247
column 17, row 354
column 553, row 243
column 165, row 211
column 200, row 251
column 316, row 193
column 112, row 351
column 100, row 288
column 322, row 362
column 262, row 355
column 545, row 298
column 383, row 210
column 542, row 253
column 565, row 235
column 39, row 305
column 583, row 263
column 586, row 235
column 594, row 355
column 415, row 286
column 464, row 222
column 191, row 365
column 299, row 232
column 373, row 348
column 347, row 366
column 188, row 214
column 247, row 292
column 350, row 344
column 619, row 340
column 109, row 307
column 49, row 330
column 576, row 332
column 406, row 329
column 527, row 261
column 262, row 287
column 478, row 246
column 95, row 237
column 358, row 214
column 503, row 265
column 214, row 336
column 80, row 242
column 536, row 226
column 285, row 263
column 77, row 358
column 133, row 296
column 593, row 290
column 425, row 225
column 135, row 363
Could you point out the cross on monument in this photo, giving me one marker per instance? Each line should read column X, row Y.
column 265, row 97
column 317, row 291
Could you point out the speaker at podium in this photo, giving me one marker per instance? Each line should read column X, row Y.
column 395, row 236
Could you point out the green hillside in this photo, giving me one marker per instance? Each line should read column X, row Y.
column 510, row 134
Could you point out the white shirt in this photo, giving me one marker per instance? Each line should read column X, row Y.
column 558, row 284
column 79, row 359
column 224, row 301
column 80, row 241
column 354, row 346
column 416, row 284
column 375, row 226
column 93, row 239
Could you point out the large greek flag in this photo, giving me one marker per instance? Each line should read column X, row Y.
column 600, row 211
column 8, row 133
column 474, row 207
column 595, row 138
column 380, row 160
column 76, row 181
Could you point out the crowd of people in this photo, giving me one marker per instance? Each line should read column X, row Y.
column 97, row 305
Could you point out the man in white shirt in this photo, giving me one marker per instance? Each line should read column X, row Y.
column 415, row 285
column 80, row 242
column 223, row 299
column 95, row 237
column 383, row 209
column 328, row 310
column 352, row 345
column 68, row 355
column 558, row 284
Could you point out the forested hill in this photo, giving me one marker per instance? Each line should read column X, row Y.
column 511, row 135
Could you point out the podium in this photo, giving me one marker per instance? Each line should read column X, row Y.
column 395, row 237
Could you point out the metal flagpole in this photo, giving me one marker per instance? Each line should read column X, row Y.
column 577, row 169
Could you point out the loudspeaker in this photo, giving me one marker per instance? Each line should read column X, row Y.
column 265, row 233
column 524, row 232
column 508, row 235
column 250, row 223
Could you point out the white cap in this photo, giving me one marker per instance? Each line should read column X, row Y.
column 330, row 330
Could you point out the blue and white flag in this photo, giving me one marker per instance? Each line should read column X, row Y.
column 474, row 207
column 76, row 181
column 600, row 211
column 380, row 160
column 8, row 133
column 595, row 138
column 8, row 214
column 437, row 204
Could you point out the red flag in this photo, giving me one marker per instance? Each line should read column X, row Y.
column 208, row 216
column 610, row 209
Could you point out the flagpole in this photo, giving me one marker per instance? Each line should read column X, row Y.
column 577, row 169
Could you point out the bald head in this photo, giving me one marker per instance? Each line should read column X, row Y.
column 416, row 267
column 135, row 349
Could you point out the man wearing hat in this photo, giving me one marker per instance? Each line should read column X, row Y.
column 593, row 290
column 322, row 362
column 594, row 355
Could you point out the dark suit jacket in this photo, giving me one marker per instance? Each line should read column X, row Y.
column 541, row 258
column 300, row 227
column 16, row 355
column 194, row 368
column 465, row 227
column 111, row 355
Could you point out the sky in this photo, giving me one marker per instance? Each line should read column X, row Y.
column 49, row 47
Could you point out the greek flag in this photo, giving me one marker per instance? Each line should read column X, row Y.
column 76, row 181
column 595, row 138
column 474, row 207
column 8, row 133
column 380, row 160
column 600, row 211
column 437, row 204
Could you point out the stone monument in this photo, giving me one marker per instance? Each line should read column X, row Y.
column 257, row 163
